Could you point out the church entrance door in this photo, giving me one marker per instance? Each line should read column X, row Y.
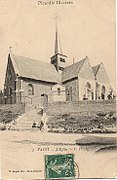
column 44, row 100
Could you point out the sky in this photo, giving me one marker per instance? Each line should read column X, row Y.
column 86, row 28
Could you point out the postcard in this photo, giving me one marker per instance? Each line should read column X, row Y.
column 57, row 89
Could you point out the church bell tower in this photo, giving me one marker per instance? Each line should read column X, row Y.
column 58, row 59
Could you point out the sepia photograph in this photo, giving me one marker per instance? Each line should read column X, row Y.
column 58, row 89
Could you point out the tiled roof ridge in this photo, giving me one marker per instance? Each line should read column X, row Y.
column 77, row 62
column 12, row 54
column 34, row 69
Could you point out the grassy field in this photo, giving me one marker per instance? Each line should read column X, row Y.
column 82, row 116
column 9, row 112
column 71, row 117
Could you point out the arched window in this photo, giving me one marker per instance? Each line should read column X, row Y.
column 98, row 93
column 30, row 89
column 88, row 93
column 59, row 91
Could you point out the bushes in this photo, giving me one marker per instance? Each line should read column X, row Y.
column 76, row 123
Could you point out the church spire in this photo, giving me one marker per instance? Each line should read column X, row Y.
column 58, row 59
column 57, row 39
column 56, row 42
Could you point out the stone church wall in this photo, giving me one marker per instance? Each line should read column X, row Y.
column 57, row 93
column 86, row 82
column 99, row 92
column 86, row 71
column 39, row 89
column 102, row 76
column 72, row 84
column 82, row 88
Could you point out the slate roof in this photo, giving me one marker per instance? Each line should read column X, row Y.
column 34, row 69
column 39, row 70
column 96, row 68
column 72, row 71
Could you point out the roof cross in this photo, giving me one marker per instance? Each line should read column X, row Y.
column 10, row 49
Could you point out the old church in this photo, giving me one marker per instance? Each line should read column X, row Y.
column 32, row 81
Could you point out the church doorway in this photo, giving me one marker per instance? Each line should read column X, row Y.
column 103, row 92
column 92, row 93
column 44, row 100
column 97, row 91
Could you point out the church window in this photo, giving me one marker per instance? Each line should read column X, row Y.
column 30, row 89
column 62, row 59
column 88, row 91
column 98, row 91
column 103, row 92
column 59, row 91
